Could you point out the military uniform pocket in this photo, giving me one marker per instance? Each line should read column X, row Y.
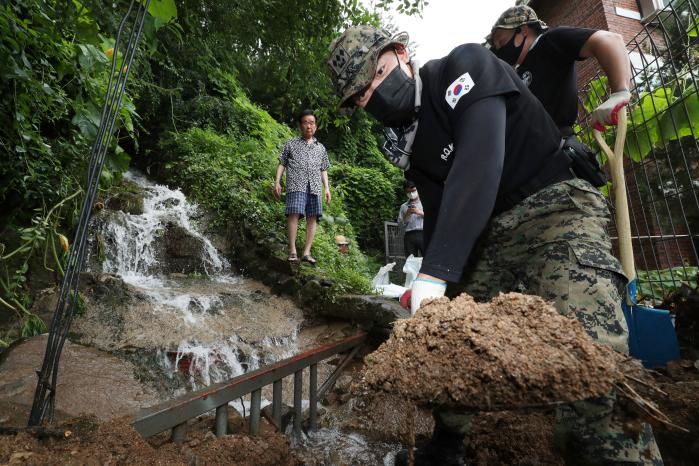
column 597, row 255
column 587, row 198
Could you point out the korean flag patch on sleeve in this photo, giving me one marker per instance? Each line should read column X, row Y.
column 459, row 88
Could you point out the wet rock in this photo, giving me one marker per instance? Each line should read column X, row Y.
column 280, row 264
column 183, row 250
column 131, row 203
column 236, row 423
column 311, row 292
column 343, row 384
column 287, row 416
column 45, row 305
column 330, row 399
column 369, row 311
column 287, row 285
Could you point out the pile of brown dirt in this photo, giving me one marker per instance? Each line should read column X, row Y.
column 515, row 351
column 117, row 443
column 513, row 438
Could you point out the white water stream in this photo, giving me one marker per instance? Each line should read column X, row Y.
column 214, row 343
column 134, row 258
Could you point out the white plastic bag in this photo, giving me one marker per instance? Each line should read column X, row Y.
column 391, row 290
column 411, row 269
column 382, row 285
column 381, row 278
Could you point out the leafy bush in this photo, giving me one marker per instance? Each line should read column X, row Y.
column 370, row 198
column 54, row 70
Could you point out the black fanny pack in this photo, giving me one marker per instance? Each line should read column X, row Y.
column 583, row 162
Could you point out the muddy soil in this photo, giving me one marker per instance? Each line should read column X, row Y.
column 514, row 351
column 525, row 437
column 89, row 380
column 116, row 442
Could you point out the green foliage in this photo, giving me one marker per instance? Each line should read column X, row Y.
column 54, row 74
column 370, row 198
column 54, row 80
column 655, row 285
column 693, row 28
column 32, row 326
column 407, row 7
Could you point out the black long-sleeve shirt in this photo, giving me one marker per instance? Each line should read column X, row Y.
column 481, row 134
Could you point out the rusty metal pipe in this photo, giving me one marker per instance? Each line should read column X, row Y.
column 336, row 373
column 277, row 403
column 255, row 401
column 222, row 420
column 298, row 409
column 313, row 398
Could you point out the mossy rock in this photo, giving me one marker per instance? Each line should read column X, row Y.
column 128, row 202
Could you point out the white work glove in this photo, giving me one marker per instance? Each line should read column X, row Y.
column 607, row 113
column 424, row 288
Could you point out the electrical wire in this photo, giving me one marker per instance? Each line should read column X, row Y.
column 43, row 406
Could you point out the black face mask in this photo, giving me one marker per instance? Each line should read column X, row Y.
column 508, row 52
column 393, row 101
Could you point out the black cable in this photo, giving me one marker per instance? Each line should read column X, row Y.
column 45, row 394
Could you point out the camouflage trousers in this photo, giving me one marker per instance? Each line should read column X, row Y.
column 554, row 244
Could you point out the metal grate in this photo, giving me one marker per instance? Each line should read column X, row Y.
column 662, row 148
column 395, row 250
column 393, row 234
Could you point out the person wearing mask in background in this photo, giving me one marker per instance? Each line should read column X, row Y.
column 306, row 163
column 499, row 195
column 410, row 216
column 546, row 59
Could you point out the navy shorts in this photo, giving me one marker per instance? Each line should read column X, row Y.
column 303, row 203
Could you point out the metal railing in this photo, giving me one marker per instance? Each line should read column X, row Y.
column 174, row 414
column 662, row 147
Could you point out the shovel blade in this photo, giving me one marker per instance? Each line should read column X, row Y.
column 652, row 337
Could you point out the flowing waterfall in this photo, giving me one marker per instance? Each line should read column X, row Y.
column 199, row 308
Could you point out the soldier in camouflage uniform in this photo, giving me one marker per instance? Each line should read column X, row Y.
column 503, row 212
column 554, row 244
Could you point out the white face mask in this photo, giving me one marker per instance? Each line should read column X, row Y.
column 412, row 195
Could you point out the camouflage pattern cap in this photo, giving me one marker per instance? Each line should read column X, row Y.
column 353, row 57
column 516, row 16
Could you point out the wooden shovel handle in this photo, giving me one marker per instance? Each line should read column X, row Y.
column 616, row 166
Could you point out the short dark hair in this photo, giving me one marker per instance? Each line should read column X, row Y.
column 305, row 113
column 408, row 184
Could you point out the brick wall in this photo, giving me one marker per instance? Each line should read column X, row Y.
column 593, row 14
